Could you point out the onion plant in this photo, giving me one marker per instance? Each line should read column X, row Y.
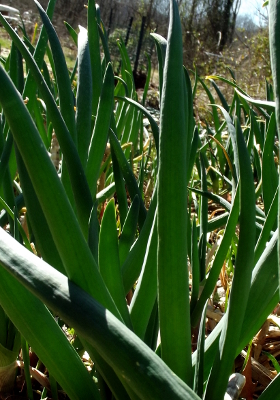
column 98, row 248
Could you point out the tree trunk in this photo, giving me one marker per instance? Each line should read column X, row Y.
column 228, row 22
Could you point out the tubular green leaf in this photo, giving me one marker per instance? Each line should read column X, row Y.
column 109, row 262
column 38, row 326
column 94, row 50
column 242, row 277
column 221, row 96
column 199, row 367
column 84, row 97
column 72, row 32
column 101, row 128
column 140, row 368
column 203, row 222
column 195, row 267
column 212, row 101
column 272, row 390
column 255, row 128
column 161, row 44
column 232, row 132
column 30, row 83
column 173, row 288
column 43, row 238
column 126, row 69
column 153, row 123
column 120, row 189
column 263, row 297
column 128, row 176
column 128, row 230
column 218, row 261
column 66, row 232
column 268, row 165
column 132, row 266
column 62, row 77
column 267, row 105
column 78, row 179
column 144, row 297
column 269, row 224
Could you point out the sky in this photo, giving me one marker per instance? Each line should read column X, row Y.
column 248, row 6
column 251, row 7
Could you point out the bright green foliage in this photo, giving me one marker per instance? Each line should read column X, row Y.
column 172, row 226
column 97, row 249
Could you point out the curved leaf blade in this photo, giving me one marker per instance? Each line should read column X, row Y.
column 141, row 369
